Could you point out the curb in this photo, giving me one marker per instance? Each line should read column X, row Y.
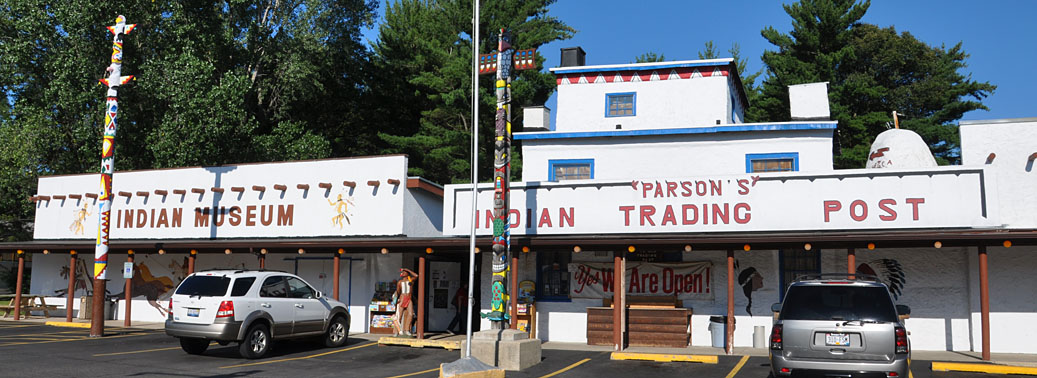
column 419, row 343
column 68, row 324
column 659, row 357
column 984, row 368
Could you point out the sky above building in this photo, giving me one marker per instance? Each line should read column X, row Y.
column 1000, row 37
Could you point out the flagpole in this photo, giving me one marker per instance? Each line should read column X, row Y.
column 475, row 176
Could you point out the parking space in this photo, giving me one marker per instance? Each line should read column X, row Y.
column 39, row 350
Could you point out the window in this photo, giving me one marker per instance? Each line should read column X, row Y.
column 797, row 262
column 570, row 169
column 299, row 289
column 204, row 286
column 241, row 286
column 273, row 287
column 553, row 276
column 620, row 104
column 776, row 162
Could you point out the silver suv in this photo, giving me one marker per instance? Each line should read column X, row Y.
column 838, row 325
column 251, row 308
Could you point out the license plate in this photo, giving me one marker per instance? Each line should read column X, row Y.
column 192, row 312
column 837, row 339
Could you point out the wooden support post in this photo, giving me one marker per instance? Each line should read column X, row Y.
column 730, row 328
column 334, row 292
column 851, row 262
column 262, row 261
column 18, row 286
column 422, row 298
column 617, row 331
column 97, row 312
column 984, row 301
column 190, row 261
column 71, row 286
column 129, row 288
column 513, row 292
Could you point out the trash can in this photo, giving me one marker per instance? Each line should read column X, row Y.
column 718, row 329
column 759, row 337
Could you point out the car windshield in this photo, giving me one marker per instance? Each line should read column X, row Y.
column 838, row 302
column 204, row 286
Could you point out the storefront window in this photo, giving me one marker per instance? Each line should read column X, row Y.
column 795, row 263
column 553, row 276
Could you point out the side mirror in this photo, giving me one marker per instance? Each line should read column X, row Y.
column 320, row 295
column 776, row 307
column 903, row 310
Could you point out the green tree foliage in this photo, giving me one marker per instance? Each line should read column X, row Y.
column 871, row 71
column 218, row 82
column 649, row 57
column 423, row 67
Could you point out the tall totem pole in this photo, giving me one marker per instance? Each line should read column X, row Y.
column 502, row 62
column 113, row 81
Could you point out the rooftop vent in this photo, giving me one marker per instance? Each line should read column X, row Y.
column 573, row 57
column 809, row 102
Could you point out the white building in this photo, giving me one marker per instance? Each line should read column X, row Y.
column 654, row 158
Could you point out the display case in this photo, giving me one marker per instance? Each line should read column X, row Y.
column 382, row 309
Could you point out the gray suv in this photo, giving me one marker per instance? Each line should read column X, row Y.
column 251, row 308
column 838, row 325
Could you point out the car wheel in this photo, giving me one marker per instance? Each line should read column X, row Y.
column 338, row 332
column 194, row 346
column 256, row 343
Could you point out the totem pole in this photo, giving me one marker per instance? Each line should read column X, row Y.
column 113, row 81
column 501, row 63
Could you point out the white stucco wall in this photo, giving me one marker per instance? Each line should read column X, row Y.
column 1013, row 312
column 676, row 155
column 700, row 101
column 423, row 213
column 1012, row 141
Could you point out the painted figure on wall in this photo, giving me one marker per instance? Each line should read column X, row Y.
column 82, row 280
column 404, row 317
column 341, row 209
column 78, row 217
column 154, row 289
column 179, row 269
column 751, row 281
column 889, row 271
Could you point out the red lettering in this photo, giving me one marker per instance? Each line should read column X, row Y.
column 285, row 215
column 545, row 218
column 686, row 188
column 151, row 220
column 669, row 282
column 127, row 219
column 178, row 216
column 716, row 187
column 201, row 217
column 831, row 206
column 743, row 188
column 891, row 215
column 700, row 188
column 694, row 214
column 250, row 215
column 722, row 214
column 142, row 218
column 864, row 210
column 564, row 217
column 645, row 188
column 163, row 219
column 914, row 205
column 668, row 216
column 516, row 218
column 635, row 284
column 266, row 215
column 235, row 215
column 653, row 283
column 658, row 190
column 646, row 214
column 626, row 214
column 671, row 189
column 744, row 216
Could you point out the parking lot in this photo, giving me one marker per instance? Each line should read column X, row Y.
column 35, row 350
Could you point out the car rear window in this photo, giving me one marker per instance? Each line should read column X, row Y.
column 838, row 302
column 241, row 286
column 204, row 286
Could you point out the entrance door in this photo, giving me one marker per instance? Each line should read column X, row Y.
column 444, row 281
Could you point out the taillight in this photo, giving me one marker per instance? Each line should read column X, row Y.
column 226, row 309
column 901, row 340
column 170, row 304
column 776, row 337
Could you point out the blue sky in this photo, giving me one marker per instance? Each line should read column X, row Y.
column 1000, row 36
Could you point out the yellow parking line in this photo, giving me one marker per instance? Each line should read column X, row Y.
column 5, row 326
column 738, row 367
column 567, row 368
column 298, row 358
column 415, row 373
column 140, row 351
column 984, row 368
column 661, row 357
column 61, row 341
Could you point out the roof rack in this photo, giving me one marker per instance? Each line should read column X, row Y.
column 856, row 277
column 240, row 270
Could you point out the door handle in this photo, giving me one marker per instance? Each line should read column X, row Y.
column 297, row 305
column 267, row 305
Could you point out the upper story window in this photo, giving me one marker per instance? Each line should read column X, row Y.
column 570, row 169
column 620, row 104
column 776, row 162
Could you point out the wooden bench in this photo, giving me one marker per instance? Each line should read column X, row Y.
column 29, row 303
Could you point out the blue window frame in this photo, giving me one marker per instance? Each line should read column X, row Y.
column 621, row 104
column 570, row 169
column 553, row 276
column 794, row 263
column 773, row 162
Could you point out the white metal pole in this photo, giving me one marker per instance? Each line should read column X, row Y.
column 475, row 170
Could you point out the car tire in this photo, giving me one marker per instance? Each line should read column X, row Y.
column 194, row 346
column 338, row 332
column 256, row 343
